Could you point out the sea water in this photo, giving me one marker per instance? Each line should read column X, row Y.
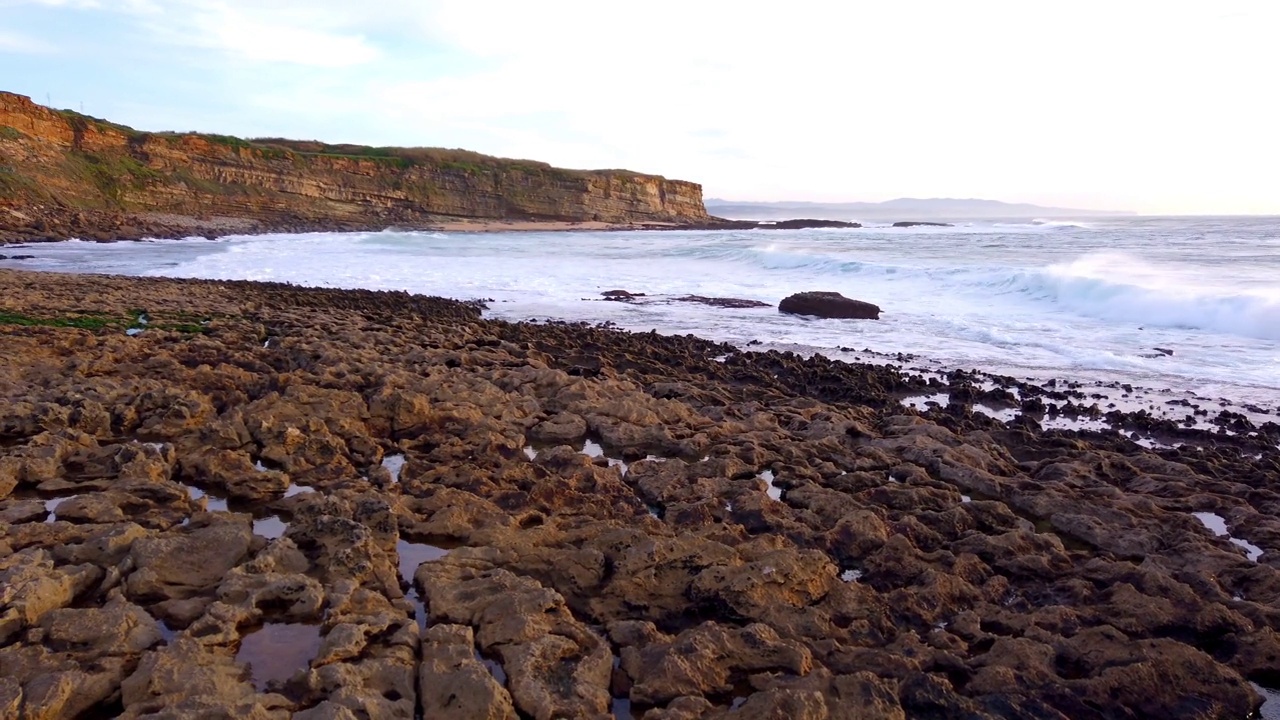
column 1036, row 299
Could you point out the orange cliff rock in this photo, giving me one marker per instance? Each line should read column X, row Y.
column 63, row 174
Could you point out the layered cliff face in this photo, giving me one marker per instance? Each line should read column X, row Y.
column 59, row 170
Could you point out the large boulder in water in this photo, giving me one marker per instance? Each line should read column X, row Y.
column 828, row 305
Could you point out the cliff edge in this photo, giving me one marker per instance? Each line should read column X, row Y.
column 63, row 174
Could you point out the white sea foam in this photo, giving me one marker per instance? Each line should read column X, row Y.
column 1049, row 299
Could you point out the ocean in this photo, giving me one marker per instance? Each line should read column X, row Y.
column 1087, row 300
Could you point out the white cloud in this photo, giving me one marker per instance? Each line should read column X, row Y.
column 1154, row 105
column 1159, row 106
column 12, row 42
column 254, row 40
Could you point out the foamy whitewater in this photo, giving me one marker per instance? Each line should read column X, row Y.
column 1087, row 300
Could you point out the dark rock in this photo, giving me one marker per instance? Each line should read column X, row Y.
column 736, row 303
column 806, row 223
column 1163, row 351
column 828, row 305
column 917, row 223
column 797, row 224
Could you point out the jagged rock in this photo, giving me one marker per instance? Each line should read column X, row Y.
column 119, row 628
column 452, row 684
column 557, row 667
column 378, row 687
column 563, row 428
column 1072, row 582
column 235, row 474
column 31, row 586
column 185, row 679
column 188, row 561
column 779, row 579
column 707, row 659
column 10, row 697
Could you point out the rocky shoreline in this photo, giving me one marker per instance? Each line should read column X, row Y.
column 235, row 499
column 33, row 225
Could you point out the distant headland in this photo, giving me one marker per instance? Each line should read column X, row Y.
column 64, row 174
column 895, row 210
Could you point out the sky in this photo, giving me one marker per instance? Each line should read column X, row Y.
column 1161, row 107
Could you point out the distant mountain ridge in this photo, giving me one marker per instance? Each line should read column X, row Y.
column 899, row 209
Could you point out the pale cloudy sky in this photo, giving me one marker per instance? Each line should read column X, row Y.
column 1157, row 106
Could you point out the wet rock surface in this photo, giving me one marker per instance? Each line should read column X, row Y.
column 444, row 516
column 828, row 305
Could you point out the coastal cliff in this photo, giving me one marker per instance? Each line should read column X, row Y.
column 63, row 174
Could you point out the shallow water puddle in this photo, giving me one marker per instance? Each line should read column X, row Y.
column 965, row 499
column 296, row 489
column 923, row 402
column 394, row 464
column 530, row 453
column 51, row 506
column 1218, row 526
column 414, row 554
column 773, row 491
column 1063, row 422
column 212, row 504
column 419, row 608
column 494, row 667
column 1270, row 709
column 1006, row 415
column 257, row 465
column 593, row 449
column 411, row 555
column 620, row 706
column 851, row 576
column 270, row 527
column 278, row 650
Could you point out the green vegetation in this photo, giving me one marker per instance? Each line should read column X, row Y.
column 112, row 174
column 11, row 133
column 89, row 320
column 228, row 140
column 15, row 184
column 86, row 322
column 211, row 187
column 82, row 122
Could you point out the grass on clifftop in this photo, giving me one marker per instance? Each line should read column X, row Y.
column 269, row 148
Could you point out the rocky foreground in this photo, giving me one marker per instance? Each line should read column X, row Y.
column 226, row 499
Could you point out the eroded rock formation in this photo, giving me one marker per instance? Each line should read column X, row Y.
column 468, row 518
column 63, row 174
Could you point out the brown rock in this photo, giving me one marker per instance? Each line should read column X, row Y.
column 452, row 684
column 706, row 660
column 188, row 561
